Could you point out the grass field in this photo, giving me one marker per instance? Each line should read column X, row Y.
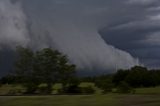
column 79, row 100
column 91, row 100
column 142, row 97
column 155, row 91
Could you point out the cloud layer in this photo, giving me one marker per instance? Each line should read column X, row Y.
column 70, row 26
column 13, row 30
column 138, row 30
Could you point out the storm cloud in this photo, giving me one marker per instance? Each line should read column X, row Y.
column 138, row 34
column 95, row 34
column 13, row 30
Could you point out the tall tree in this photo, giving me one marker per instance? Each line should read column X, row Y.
column 45, row 66
column 67, row 71
column 24, row 62
column 51, row 66
column 24, row 68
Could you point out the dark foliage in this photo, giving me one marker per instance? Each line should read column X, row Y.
column 105, row 83
column 9, row 79
column 87, row 90
column 72, row 89
column 124, row 87
column 138, row 77
column 45, row 66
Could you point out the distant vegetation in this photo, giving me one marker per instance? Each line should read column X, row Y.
column 38, row 72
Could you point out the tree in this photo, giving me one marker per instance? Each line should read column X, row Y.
column 45, row 66
column 51, row 66
column 8, row 79
column 138, row 77
column 67, row 73
column 154, row 77
column 24, row 68
column 120, row 76
column 123, row 87
column 105, row 83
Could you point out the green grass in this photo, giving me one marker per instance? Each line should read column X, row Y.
column 81, row 100
column 92, row 100
column 142, row 97
column 155, row 90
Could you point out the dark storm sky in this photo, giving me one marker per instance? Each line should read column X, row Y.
column 130, row 25
column 95, row 34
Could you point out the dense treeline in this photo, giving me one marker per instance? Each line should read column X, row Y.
column 126, row 80
column 38, row 71
column 135, row 77
column 138, row 77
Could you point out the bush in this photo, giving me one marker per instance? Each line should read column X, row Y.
column 30, row 88
column 44, row 89
column 106, row 86
column 87, row 90
column 75, row 89
column 107, row 90
column 12, row 92
column 71, row 89
column 15, row 92
column 123, row 87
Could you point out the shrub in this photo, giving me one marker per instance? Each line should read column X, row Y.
column 123, row 87
column 72, row 89
column 106, row 86
column 75, row 89
column 44, row 89
column 15, row 92
column 30, row 88
column 12, row 92
column 87, row 90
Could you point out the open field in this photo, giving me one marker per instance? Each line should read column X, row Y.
column 81, row 100
column 9, row 89
column 142, row 97
column 151, row 91
column 60, row 100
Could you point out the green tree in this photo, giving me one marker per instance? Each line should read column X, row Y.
column 123, row 87
column 154, row 77
column 24, row 68
column 51, row 66
column 105, row 83
column 138, row 77
column 120, row 76
column 44, row 66
column 67, row 73
column 24, row 62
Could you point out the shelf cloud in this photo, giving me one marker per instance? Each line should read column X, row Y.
column 73, row 27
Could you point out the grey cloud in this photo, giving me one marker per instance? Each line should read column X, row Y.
column 75, row 32
column 72, row 27
column 102, row 34
column 139, row 35
column 152, row 39
column 12, row 25
column 141, row 2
